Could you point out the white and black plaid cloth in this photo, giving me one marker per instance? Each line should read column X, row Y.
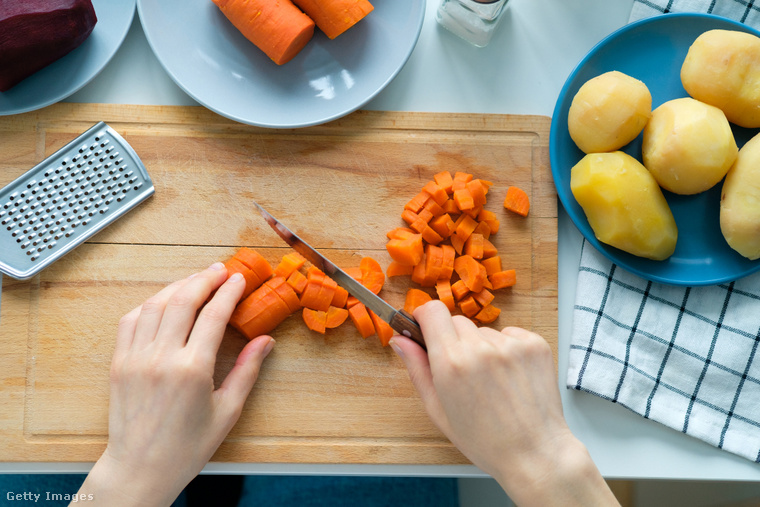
column 686, row 357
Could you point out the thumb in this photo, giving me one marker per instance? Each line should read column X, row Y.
column 418, row 366
column 239, row 382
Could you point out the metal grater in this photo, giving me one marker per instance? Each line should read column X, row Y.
column 67, row 198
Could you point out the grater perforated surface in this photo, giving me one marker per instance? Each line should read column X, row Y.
column 67, row 198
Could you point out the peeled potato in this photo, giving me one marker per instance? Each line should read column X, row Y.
column 722, row 68
column 740, row 202
column 688, row 146
column 624, row 205
column 608, row 112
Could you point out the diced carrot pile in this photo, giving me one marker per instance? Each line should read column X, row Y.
column 446, row 245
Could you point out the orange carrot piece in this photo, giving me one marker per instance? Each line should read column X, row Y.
column 443, row 225
column 372, row 274
column 398, row 269
column 354, row 272
column 290, row 262
column 492, row 264
column 488, row 314
column 450, row 207
column 483, row 229
column 474, row 246
column 459, row 290
column 310, row 295
column 279, row 28
column 443, row 289
column 465, row 227
column 433, row 265
column 334, row 17
column 362, row 320
column 449, row 255
column 517, row 201
column 425, row 215
column 401, row 233
column 460, row 180
column 469, row 306
column 415, row 298
column 335, row 317
column 433, row 207
column 286, row 292
column 457, row 243
column 491, row 219
column 464, row 199
column 316, row 320
column 256, row 262
column 419, row 271
column 503, row 279
column 478, row 192
column 417, row 202
column 383, row 330
column 471, row 272
column 432, row 237
column 259, row 313
column 444, row 180
column 489, row 250
column 314, row 274
column 351, row 301
column 340, row 297
column 298, row 281
column 406, row 251
column 484, row 297
column 438, row 194
column 325, row 295
column 252, row 281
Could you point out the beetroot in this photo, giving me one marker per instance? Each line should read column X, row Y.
column 35, row 33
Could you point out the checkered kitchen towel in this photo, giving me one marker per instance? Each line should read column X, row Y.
column 686, row 357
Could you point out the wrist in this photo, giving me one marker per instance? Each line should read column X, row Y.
column 562, row 473
column 116, row 484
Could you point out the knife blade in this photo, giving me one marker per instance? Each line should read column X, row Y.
column 399, row 320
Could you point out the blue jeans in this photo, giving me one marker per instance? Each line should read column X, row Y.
column 275, row 491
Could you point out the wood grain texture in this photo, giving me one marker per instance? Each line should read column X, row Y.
column 341, row 186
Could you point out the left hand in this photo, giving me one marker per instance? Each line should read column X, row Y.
column 165, row 418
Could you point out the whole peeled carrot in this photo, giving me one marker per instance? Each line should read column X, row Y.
column 334, row 17
column 277, row 27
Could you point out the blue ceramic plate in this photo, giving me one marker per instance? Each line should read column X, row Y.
column 210, row 60
column 69, row 74
column 653, row 50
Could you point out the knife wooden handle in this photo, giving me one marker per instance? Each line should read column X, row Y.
column 407, row 326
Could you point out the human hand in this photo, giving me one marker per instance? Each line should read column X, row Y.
column 165, row 418
column 495, row 396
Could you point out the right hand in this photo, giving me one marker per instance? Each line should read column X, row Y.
column 495, row 396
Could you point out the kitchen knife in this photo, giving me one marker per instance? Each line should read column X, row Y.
column 399, row 320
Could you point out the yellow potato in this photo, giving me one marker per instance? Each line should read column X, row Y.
column 624, row 205
column 608, row 112
column 722, row 68
column 740, row 202
column 688, row 146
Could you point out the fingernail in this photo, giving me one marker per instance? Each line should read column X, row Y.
column 217, row 266
column 396, row 348
column 268, row 348
column 236, row 277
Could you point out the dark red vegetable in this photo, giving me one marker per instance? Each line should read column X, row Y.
column 35, row 33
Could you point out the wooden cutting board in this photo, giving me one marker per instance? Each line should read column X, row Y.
column 319, row 399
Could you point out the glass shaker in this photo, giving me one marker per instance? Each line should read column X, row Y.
column 472, row 20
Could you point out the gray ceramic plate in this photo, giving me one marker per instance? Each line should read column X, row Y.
column 67, row 75
column 211, row 61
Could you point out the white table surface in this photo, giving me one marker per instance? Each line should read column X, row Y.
column 536, row 46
